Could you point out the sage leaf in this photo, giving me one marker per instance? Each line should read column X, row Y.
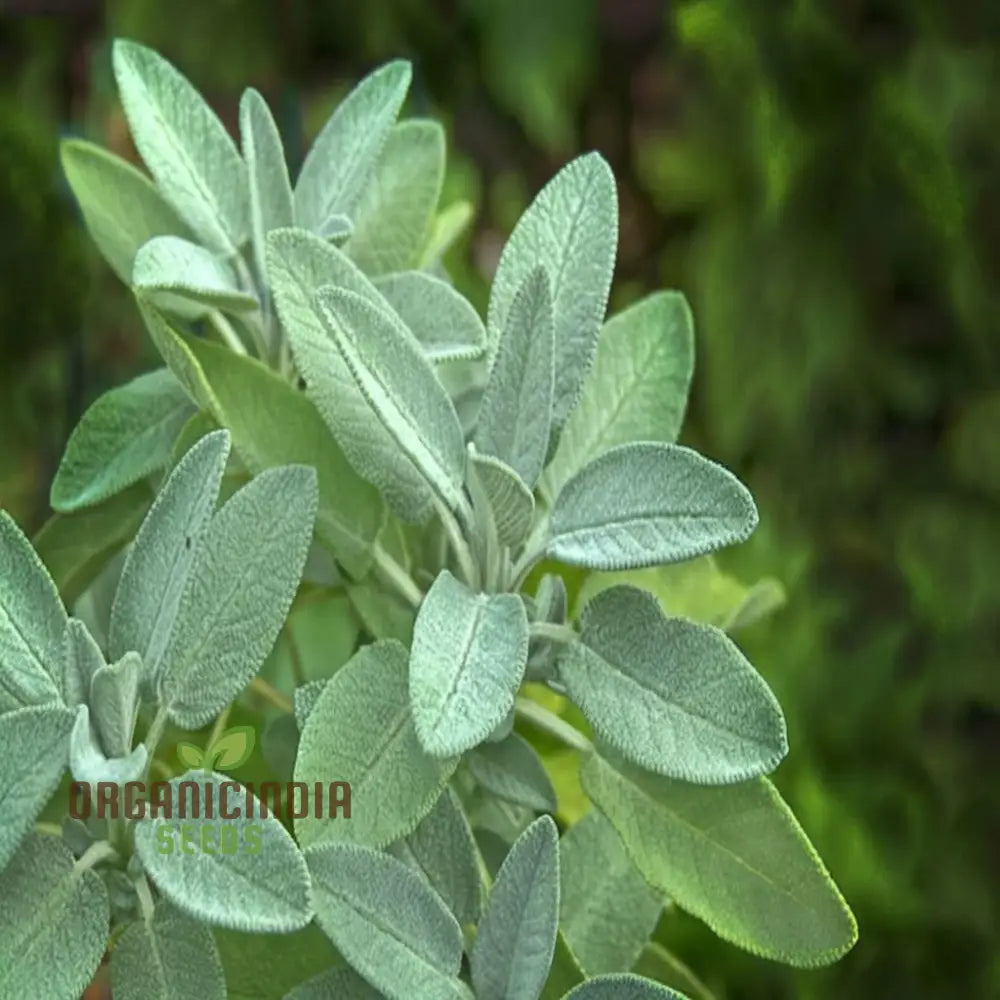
column 124, row 436
column 361, row 731
column 510, row 499
column 385, row 920
column 394, row 216
column 168, row 269
column 733, row 856
column 32, row 622
column 466, row 664
column 169, row 957
column 157, row 566
column 304, row 701
column 185, row 146
column 606, row 910
column 121, row 207
column 516, row 412
column 571, row 228
column 89, row 764
column 114, row 702
column 674, row 697
column 342, row 983
column 54, row 927
column 443, row 851
column 244, row 873
column 512, row 770
column 272, row 424
column 82, row 658
column 385, row 615
column 241, row 584
column 622, row 987
column 390, row 370
column 36, row 753
column 637, row 389
column 299, row 264
column 271, row 205
column 516, row 937
column 442, row 319
column 343, row 155
column 646, row 503
column 448, row 226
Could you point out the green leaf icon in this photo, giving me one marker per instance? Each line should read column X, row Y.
column 232, row 748
column 190, row 755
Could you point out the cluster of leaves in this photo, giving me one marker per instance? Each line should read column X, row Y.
column 444, row 472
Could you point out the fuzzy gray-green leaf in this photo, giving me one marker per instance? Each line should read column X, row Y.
column 646, row 504
column 157, row 567
column 244, row 872
column 114, row 701
column 394, row 216
column 121, row 206
column 391, row 371
column 88, row 763
column 342, row 983
column 516, row 936
column 466, row 664
column 34, row 759
column 185, row 146
column 82, row 658
column 571, row 228
column 622, row 987
column 169, row 957
column 32, row 622
column 441, row 318
column 387, row 922
column 299, row 264
column 271, row 205
column 637, row 389
column 241, row 584
column 516, row 412
column 361, row 731
column 443, row 851
column 54, row 923
column 513, row 771
column 607, row 911
column 734, row 856
column 343, row 155
column 511, row 501
column 672, row 696
column 124, row 436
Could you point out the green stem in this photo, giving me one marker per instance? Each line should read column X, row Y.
column 396, row 577
column 226, row 332
column 533, row 551
column 267, row 691
column 94, row 854
column 145, row 894
column 220, row 725
column 563, row 634
column 466, row 564
column 154, row 735
column 540, row 716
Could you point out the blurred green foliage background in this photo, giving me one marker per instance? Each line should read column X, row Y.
column 822, row 179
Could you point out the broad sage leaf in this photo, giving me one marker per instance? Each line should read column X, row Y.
column 360, row 730
column 185, row 146
column 82, row 658
column 646, row 503
column 672, row 696
column 231, row 864
column 512, row 770
column 271, row 205
column 442, row 319
column 168, row 957
column 606, row 909
column 54, row 927
column 299, row 264
column 516, row 936
column 173, row 272
column 733, row 856
column 240, row 587
column 516, row 412
column 114, row 702
column 622, row 987
column 342, row 983
column 32, row 622
column 390, row 370
column 35, row 757
column 466, row 664
column 637, row 389
column 88, row 763
column 343, row 155
column 157, row 566
column 121, row 207
column 443, row 851
column 571, row 228
column 124, row 436
column 511, row 501
column 387, row 922
column 394, row 216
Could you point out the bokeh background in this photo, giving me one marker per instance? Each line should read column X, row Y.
column 822, row 179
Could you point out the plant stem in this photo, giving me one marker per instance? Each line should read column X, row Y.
column 145, row 895
column 563, row 634
column 466, row 564
column 540, row 716
column 153, row 736
column 220, row 724
column 94, row 854
column 270, row 693
column 534, row 549
column 226, row 331
column 393, row 574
